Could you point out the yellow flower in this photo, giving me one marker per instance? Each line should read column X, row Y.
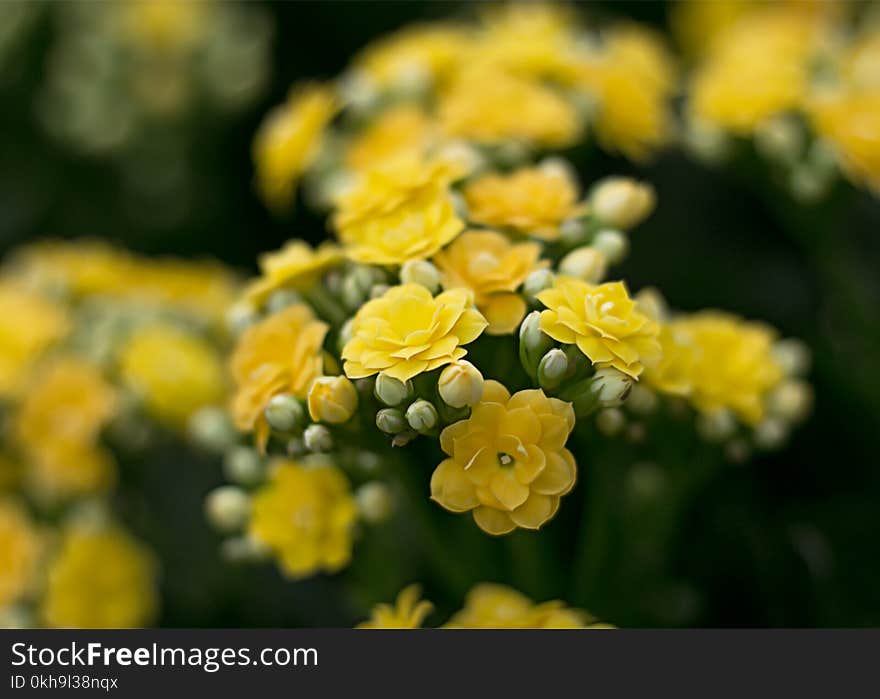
column 163, row 26
column 404, row 130
column 289, row 140
column 492, row 606
column 407, row 612
column 296, row 266
column 603, row 321
column 29, row 324
column 20, row 549
column 674, row 373
column 533, row 201
column 734, row 367
column 697, row 24
column 493, row 268
column 100, row 579
column 507, row 462
column 174, row 372
column 280, row 354
column 401, row 211
column 491, row 106
column 407, row 331
column 305, row 515
column 332, row 399
column 58, row 425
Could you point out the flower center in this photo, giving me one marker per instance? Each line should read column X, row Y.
column 505, row 459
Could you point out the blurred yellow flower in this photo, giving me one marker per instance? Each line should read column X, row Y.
column 407, row 612
column 101, row 578
column 305, row 516
column 403, row 130
column 734, row 366
column 296, row 266
column 21, row 547
column 674, row 373
column 289, row 140
column 507, row 463
column 163, row 26
column 58, row 425
column 29, row 324
column 603, row 321
column 407, row 331
column 332, row 399
column 174, row 372
column 697, row 24
column 279, row 354
column 493, row 268
column 493, row 606
column 532, row 200
column 491, row 106
column 401, row 211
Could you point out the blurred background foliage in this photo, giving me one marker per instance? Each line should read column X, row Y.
column 788, row 539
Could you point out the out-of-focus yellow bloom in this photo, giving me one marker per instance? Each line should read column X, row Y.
column 674, row 373
column 332, row 399
column 603, row 321
column 101, row 578
column 492, row 606
column 734, row 367
column 289, row 140
column 305, row 516
column 507, row 462
column 401, row 211
column 58, row 424
column 415, row 55
column 174, row 372
column 29, row 323
column 162, row 26
column 533, row 200
column 697, row 24
column 280, row 354
column 407, row 612
column 21, row 547
column 493, row 268
column 490, row 106
column 404, row 130
column 295, row 266
column 632, row 79
column 758, row 68
column 407, row 331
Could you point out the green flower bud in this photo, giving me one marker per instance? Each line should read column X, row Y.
column 574, row 231
column 403, row 438
column 284, row 413
column 460, row 384
column 374, row 502
column 717, row 426
column 317, row 438
column 610, row 421
column 227, row 508
column 391, row 391
column 585, row 263
column 611, row 386
column 243, row 465
column 211, row 429
column 533, row 343
column 390, row 421
column 791, row 400
column 353, row 295
column 281, row 299
column 552, row 369
column 793, row 357
column 621, row 202
column 422, row 415
column 296, row 448
column 771, row 433
column 536, row 282
column 611, row 243
column 707, row 142
column 421, row 272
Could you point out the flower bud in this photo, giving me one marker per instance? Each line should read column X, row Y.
column 211, row 429
column 421, row 415
column 552, row 369
column 374, row 502
column 611, row 243
column 791, row 400
column 707, row 142
column 716, row 426
column 771, row 433
column 378, row 290
column 239, row 317
column 390, row 421
column 284, row 413
column 244, row 549
column 573, row 231
column 642, row 400
column 585, row 263
column 391, row 391
column 243, row 465
column 610, row 421
column 780, row 138
column 460, row 384
column 420, row 272
column 332, row 399
column 281, row 299
column 610, row 386
column 536, row 282
column 533, row 343
column 317, row 438
column 621, row 202
column 793, row 357
column 353, row 296
column 227, row 508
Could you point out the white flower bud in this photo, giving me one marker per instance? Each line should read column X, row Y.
column 611, row 386
column 391, row 391
column 240, row 316
column 243, row 465
column 771, row 433
column 422, row 415
column 378, row 290
column 611, row 243
column 533, row 343
column 716, row 426
column 281, row 299
column 552, row 369
column 211, row 429
column 284, row 413
column 421, row 272
column 390, row 421
column 707, row 142
column 780, row 138
column 585, row 263
column 610, row 421
column 244, row 549
column 460, row 384
column 642, row 400
column 228, row 508
column 536, row 282
column 621, row 202
column 793, row 357
column 374, row 502
column 318, row 439
column 791, row 400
